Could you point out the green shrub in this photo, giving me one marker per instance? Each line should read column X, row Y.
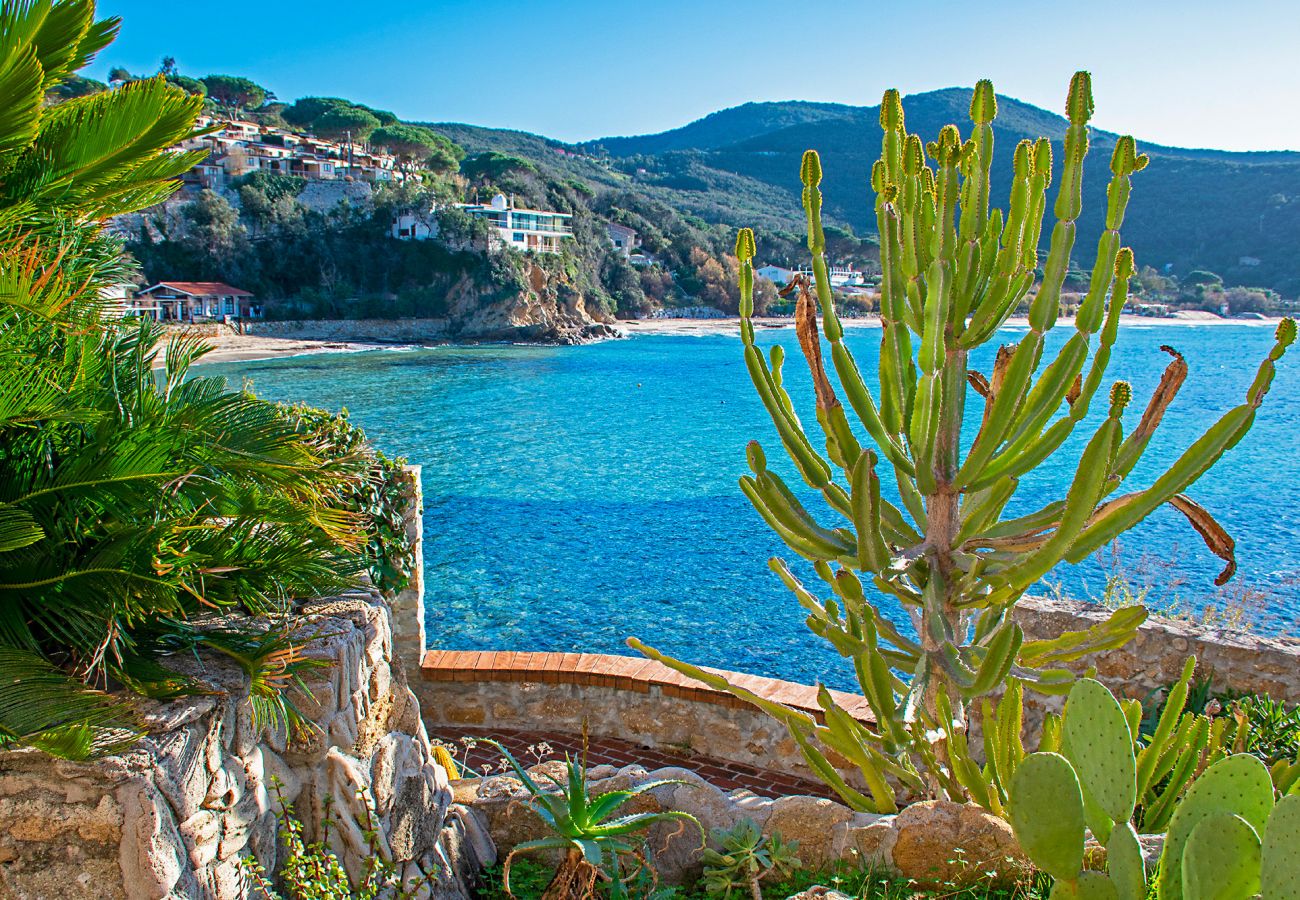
column 309, row 870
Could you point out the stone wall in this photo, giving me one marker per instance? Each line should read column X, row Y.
column 653, row 718
column 639, row 701
column 172, row 817
column 1239, row 661
column 383, row 331
column 408, row 604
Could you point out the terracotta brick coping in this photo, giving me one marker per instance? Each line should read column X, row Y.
column 628, row 673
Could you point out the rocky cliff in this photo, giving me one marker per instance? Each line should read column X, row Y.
column 173, row 817
column 548, row 307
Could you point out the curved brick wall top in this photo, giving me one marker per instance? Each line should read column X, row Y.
column 628, row 673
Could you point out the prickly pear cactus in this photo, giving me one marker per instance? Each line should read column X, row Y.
column 1046, row 812
column 1237, row 786
column 1280, row 863
column 1221, row 859
column 1098, row 742
column 1124, row 862
column 917, row 514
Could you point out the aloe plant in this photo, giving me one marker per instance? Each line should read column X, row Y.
column 954, row 270
column 596, row 840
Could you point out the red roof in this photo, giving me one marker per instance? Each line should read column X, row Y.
column 200, row 288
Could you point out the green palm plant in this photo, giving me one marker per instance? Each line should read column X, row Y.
column 596, row 840
column 135, row 497
column 954, row 270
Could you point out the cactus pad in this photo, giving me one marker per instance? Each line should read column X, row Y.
column 1046, row 810
column 1124, row 860
column 1279, row 874
column 1221, row 859
column 1239, row 785
column 1101, row 748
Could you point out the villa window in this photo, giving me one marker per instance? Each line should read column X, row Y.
column 519, row 237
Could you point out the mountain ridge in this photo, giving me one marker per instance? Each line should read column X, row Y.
column 1236, row 213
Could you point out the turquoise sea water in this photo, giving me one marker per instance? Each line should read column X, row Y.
column 578, row 495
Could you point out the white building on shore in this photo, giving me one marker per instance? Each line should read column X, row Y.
column 540, row 231
column 193, row 301
column 840, row 276
column 778, row 275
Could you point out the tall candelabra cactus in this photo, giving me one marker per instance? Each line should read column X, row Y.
column 954, row 270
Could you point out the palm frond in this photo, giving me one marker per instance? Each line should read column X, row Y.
column 44, row 707
column 21, row 98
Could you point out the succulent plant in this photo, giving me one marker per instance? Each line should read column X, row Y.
column 747, row 858
column 954, row 270
column 1227, row 838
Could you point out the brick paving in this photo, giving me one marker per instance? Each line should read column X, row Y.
column 727, row 776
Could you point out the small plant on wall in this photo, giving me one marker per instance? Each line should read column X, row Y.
column 954, row 270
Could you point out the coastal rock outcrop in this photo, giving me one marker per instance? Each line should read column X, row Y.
column 545, row 307
column 172, row 817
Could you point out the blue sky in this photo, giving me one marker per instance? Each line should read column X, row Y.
column 1208, row 74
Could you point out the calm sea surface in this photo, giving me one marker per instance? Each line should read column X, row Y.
column 578, row 495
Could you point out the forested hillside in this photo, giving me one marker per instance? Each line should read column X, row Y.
column 1201, row 217
column 1191, row 209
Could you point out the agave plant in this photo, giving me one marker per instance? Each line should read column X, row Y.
column 133, row 495
column 596, row 841
column 945, row 551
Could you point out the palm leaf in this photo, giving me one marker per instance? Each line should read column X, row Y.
column 21, row 99
column 18, row 529
column 40, row 705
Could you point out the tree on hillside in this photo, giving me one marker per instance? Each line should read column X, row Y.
column 492, row 165
column 1202, row 277
column 304, row 111
column 188, row 84
column 384, row 116
column 416, row 144
column 74, row 86
column 342, row 122
column 234, row 92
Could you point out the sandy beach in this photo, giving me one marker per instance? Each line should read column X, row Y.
column 231, row 347
column 732, row 326
column 250, row 347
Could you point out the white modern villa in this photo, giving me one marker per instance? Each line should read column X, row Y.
column 524, row 229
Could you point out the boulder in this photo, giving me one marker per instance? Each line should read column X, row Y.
column 942, row 843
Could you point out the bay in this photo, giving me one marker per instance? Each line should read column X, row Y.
column 579, row 495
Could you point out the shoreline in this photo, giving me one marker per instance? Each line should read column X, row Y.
column 731, row 326
column 233, row 348
column 228, row 348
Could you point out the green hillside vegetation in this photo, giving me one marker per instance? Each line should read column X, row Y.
column 345, row 263
column 1233, row 215
column 1191, row 209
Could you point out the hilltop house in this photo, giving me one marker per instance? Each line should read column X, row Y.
column 537, row 230
column 410, row 226
column 240, row 148
column 624, row 239
column 193, row 301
